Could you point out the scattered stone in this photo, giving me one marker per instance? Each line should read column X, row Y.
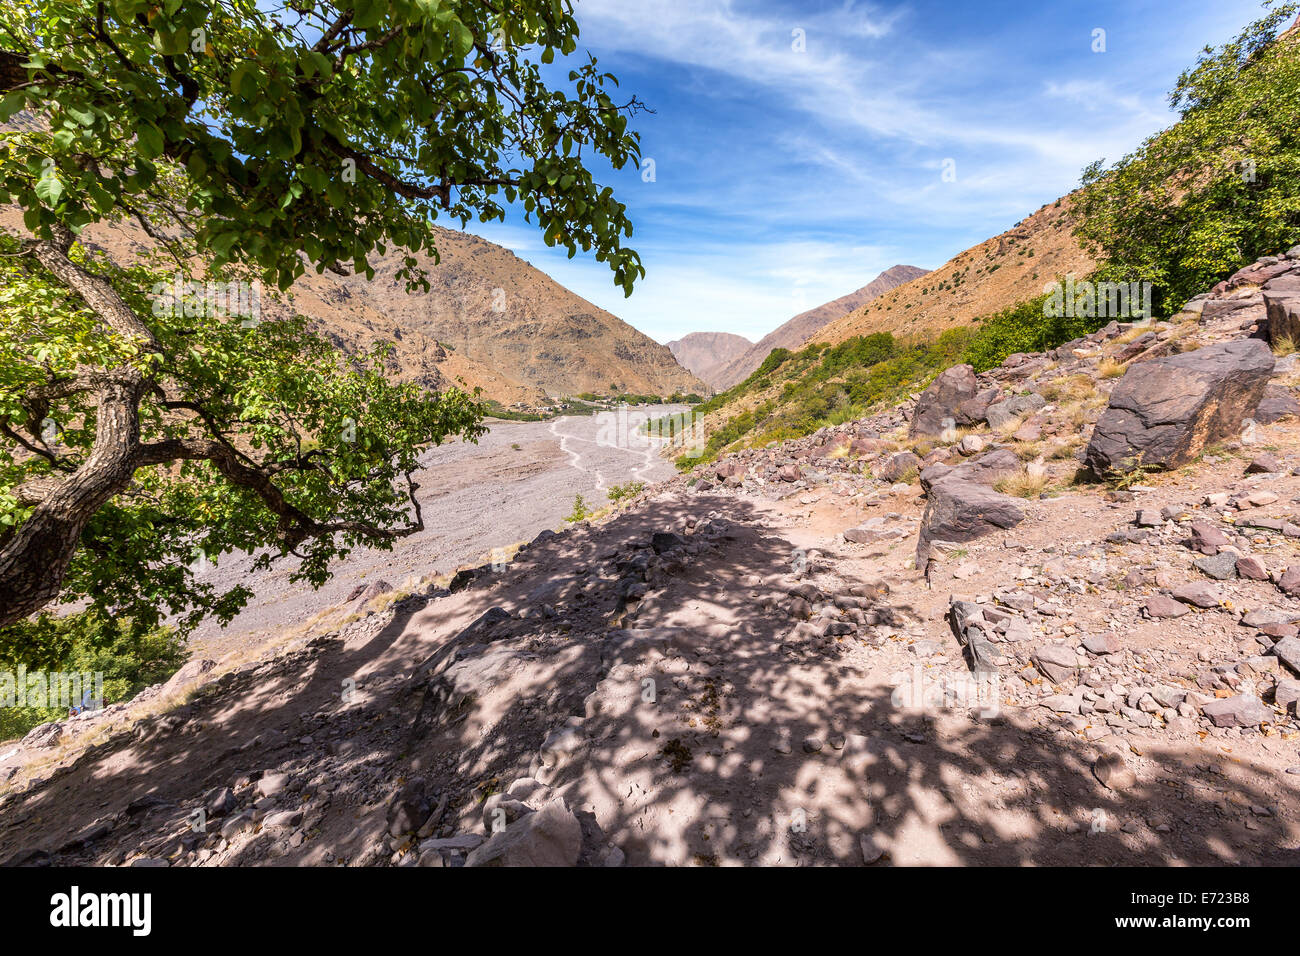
column 1263, row 464
column 1198, row 594
column 1058, row 662
column 1101, row 644
column 1161, row 607
column 1113, row 773
column 1251, row 568
column 550, row 837
column 272, row 783
column 1243, row 710
column 1221, row 567
column 1206, row 538
column 1288, row 652
column 896, row 466
column 1289, row 583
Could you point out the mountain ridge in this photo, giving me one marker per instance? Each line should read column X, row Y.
column 802, row 327
column 704, row 354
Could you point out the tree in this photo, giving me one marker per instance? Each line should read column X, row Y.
column 1219, row 188
column 258, row 141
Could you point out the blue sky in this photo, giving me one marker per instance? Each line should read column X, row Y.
column 786, row 178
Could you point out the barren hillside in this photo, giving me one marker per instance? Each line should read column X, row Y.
column 994, row 275
column 490, row 321
column 705, row 354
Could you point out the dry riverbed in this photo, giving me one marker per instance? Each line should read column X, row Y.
column 518, row 480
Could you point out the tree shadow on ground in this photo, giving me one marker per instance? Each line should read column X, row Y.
column 763, row 743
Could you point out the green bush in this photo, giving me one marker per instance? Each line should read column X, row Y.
column 129, row 658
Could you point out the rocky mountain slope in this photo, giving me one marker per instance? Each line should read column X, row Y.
column 490, row 321
column 497, row 310
column 803, row 327
column 927, row 637
column 704, row 354
column 994, row 275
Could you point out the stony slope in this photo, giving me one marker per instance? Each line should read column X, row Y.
column 705, row 354
column 746, row 666
column 803, row 327
column 497, row 310
column 994, row 275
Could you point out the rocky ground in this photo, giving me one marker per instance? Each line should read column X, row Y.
column 922, row 638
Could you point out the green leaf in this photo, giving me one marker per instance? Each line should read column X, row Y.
column 49, row 188
column 149, row 141
column 462, row 39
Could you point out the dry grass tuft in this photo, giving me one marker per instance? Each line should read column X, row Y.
column 1022, row 485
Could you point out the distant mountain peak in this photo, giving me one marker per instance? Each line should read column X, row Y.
column 805, row 326
column 705, row 353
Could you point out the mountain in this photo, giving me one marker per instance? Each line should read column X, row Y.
column 493, row 309
column 490, row 320
column 804, row 326
column 996, row 274
column 1001, row 272
column 704, row 354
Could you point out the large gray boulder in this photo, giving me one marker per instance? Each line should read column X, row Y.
column 1278, row 403
column 1165, row 411
column 960, row 510
column 942, row 401
column 984, row 470
column 1013, row 409
column 550, row 837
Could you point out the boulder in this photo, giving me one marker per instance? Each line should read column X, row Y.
column 983, row 470
column 1013, row 409
column 1282, row 300
column 192, row 672
column 1057, row 662
column 1243, row 710
column 44, row 735
column 1242, row 309
column 941, row 402
column 960, row 510
column 1164, row 412
column 550, row 837
column 896, row 466
column 1278, row 403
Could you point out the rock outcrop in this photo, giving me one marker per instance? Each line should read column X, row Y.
column 939, row 406
column 960, row 510
column 1165, row 411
